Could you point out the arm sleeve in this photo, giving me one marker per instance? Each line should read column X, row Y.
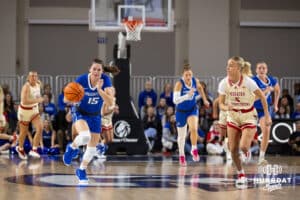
column 177, row 99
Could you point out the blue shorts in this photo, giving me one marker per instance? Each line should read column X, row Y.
column 261, row 113
column 181, row 117
column 94, row 122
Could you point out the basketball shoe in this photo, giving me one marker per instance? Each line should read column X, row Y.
column 21, row 153
column 81, row 175
column 195, row 155
column 182, row 161
column 241, row 182
column 262, row 161
column 33, row 153
column 69, row 155
column 101, row 150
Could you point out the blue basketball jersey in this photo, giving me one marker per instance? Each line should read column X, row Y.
column 92, row 101
column 191, row 103
column 188, row 107
column 262, row 85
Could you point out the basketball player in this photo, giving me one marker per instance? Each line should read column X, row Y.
column 246, row 70
column 187, row 111
column 86, row 117
column 28, row 111
column 267, row 84
column 107, row 126
column 239, row 91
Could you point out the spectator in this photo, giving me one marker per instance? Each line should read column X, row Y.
column 49, row 108
column 145, row 107
column 209, row 109
column 297, row 93
column 167, row 116
column 147, row 92
column 285, row 103
column 294, row 140
column 210, row 97
column 169, row 136
column 152, row 129
column 289, row 102
column 296, row 113
column 42, row 112
column 48, row 90
column 282, row 113
column 161, row 108
column 214, row 140
column 10, row 113
column 48, row 145
column 168, row 94
column 203, row 120
column 61, row 122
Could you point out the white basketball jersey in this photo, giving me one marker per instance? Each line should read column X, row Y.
column 240, row 95
column 34, row 92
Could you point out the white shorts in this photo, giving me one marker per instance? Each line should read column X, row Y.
column 106, row 122
column 27, row 114
column 241, row 119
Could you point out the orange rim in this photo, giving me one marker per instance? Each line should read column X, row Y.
column 132, row 24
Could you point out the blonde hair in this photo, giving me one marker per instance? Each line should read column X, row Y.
column 246, row 69
column 239, row 60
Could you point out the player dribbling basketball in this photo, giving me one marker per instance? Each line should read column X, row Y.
column 86, row 117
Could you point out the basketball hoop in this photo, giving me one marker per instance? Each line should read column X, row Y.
column 133, row 29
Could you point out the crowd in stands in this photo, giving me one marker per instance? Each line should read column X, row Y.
column 157, row 116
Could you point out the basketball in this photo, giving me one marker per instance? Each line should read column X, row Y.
column 73, row 92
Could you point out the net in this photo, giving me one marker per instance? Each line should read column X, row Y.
column 133, row 29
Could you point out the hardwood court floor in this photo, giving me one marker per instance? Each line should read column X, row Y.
column 147, row 177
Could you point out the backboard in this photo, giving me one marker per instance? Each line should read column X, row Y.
column 108, row 15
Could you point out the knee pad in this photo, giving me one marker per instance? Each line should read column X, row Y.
column 86, row 136
column 89, row 153
column 82, row 138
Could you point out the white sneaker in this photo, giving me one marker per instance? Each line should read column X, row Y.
column 241, row 182
column 262, row 161
column 34, row 154
column 21, row 153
